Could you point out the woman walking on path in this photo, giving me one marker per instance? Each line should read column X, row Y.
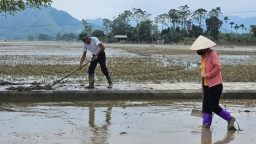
column 97, row 49
column 212, row 82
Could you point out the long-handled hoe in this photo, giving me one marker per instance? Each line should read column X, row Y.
column 49, row 87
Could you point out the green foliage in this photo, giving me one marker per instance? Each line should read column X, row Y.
column 49, row 37
column 215, row 12
column 129, row 33
column 107, row 24
column 231, row 24
column 68, row 37
column 139, row 15
column 134, row 34
column 98, row 33
column 173, row 36
column 236, row 27
column 121, row 23
column 184, row 13
column 145, row 31
column 32, row 23
column 13, row 6
column 30, row 38
column 196, row 31
column 165, row 31
column 58, row 36
column 244, row 39
column 253, row 29
column 87, row 27
column 110, row 38
column 43, row 37
column 213, row 24
column 199, row 15
column 161, row 19
column 173, row 16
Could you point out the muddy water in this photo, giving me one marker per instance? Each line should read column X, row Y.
column 125, row 122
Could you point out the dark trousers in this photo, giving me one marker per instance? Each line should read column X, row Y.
column 211, row 99
column 102, row 61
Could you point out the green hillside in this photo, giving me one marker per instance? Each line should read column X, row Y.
column 32, row 22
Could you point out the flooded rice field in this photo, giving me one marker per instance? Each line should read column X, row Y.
column 114, row 122
column 126, row 122
column 45, row 62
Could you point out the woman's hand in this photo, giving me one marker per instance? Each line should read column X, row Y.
column 203, row 74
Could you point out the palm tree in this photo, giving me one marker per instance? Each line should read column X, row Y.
column 220, row 24
column 242, row 27
column 236, row 27
column 226, row 19
column 231, row 23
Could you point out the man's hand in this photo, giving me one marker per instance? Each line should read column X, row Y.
column 80, row 66
column 95, row 57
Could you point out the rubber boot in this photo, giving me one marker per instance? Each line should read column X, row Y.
column 91, row 81
column 231, row 125
column 226, row 116
column 110, row 84
column 207, row 120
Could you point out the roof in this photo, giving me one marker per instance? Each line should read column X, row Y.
column 120, row 36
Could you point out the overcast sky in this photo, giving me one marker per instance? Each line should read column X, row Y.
column 92, row 9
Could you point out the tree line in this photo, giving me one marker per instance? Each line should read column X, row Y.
column 182, row 25
column 65, row 37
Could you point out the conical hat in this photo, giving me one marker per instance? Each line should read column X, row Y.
column 202, row 43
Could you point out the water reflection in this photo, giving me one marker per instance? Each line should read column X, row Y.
column 206, row 137
column 188, row 64
column 100, row 134
column 176, row 61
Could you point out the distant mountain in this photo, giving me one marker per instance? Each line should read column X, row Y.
column 35, row 21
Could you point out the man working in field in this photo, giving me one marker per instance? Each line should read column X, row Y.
column 97, row 49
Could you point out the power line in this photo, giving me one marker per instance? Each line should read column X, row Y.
column 240, row 12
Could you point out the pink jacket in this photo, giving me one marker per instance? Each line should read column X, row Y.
column 213, row 68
